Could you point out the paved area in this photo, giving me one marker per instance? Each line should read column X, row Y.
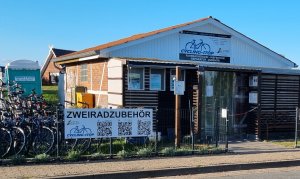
column 256, row 147
column 111, row 166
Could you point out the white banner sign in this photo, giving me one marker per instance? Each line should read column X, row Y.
column 105, row 123
column 24, row 78
column 200, row 46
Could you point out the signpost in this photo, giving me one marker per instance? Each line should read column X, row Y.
column 177, row 108
column 224, row 115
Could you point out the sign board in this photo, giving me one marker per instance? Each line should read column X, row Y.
column 206, row 47
column 253, row 97
column 179, row 88
column 24, row 78
column 253, row 81
column 224, row 113
column 107, row 123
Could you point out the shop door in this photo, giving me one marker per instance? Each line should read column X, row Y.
column 225, row 90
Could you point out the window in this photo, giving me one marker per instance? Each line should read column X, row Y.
column 172, row 78
column 157, row 79
column 83, row 72
column 136, row 78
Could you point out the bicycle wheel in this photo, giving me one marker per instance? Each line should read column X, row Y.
column 43, row 141
column 205, row 48
column 5, row 142
column 82, row 145
column 19, row 140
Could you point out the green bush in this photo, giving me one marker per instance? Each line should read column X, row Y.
column 73, row 155
column 124, row 154
column 117, row 146
column 183, row 151
column 203, row 151
column 42, row 158
column 216, row 150
column 168, row 151
column 18, row 159
column 145, row 152
column 97, row 156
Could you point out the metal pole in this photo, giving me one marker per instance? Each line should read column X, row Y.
column 156, row 133
column 57, row 114
column 226, row 121
column 191, row 125
column 217, row 127
column 193, row 138
column 110, row 147
column 296, row 126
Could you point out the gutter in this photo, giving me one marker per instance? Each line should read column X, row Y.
column 62, row 59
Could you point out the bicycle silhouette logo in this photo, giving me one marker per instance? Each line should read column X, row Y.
column 80, row 132
column 200, row 48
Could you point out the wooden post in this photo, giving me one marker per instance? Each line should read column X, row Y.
column 177, row 112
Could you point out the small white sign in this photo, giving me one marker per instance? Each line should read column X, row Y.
column 224, row 113
column 179, row 88
column 24, row 78
column 253, row 97
column 253, row 81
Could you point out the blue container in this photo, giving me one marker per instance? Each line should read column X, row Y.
column 26, row 73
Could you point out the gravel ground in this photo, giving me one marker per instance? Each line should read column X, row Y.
column 51, row 170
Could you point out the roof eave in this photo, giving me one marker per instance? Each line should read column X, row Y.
column 76, row 56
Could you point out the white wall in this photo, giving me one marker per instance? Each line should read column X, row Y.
column 115, row 82
column 242, row 52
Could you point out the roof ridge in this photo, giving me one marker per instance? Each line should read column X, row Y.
column 133, row 38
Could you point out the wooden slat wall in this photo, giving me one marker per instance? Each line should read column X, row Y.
column 164, row 101
column 279, row 99
column 141, row 98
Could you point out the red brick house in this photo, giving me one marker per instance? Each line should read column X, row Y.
column 50, row 71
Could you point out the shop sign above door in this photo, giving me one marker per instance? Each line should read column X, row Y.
column 206, row 47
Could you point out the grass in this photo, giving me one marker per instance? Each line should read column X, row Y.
column 73, row 155
column 50, row 94
column 168, row 151
column 42, row 158
column 145, row 152
column 285, row 143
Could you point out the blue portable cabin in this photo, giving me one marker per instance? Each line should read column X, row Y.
column 26, row 73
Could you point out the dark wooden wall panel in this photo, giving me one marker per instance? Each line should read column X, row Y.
column 279, row 99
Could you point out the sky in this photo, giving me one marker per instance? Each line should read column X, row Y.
column 28, row 27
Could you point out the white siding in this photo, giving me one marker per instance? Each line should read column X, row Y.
column 115, row 83
column 167, row 48
column 115, row 100
column 115, row 86
column 162, row 48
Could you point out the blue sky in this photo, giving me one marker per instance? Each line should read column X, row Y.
column 28, row 27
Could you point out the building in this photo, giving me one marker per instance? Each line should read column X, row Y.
column 220, row 67
column 50, row 71
column 2, row 73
